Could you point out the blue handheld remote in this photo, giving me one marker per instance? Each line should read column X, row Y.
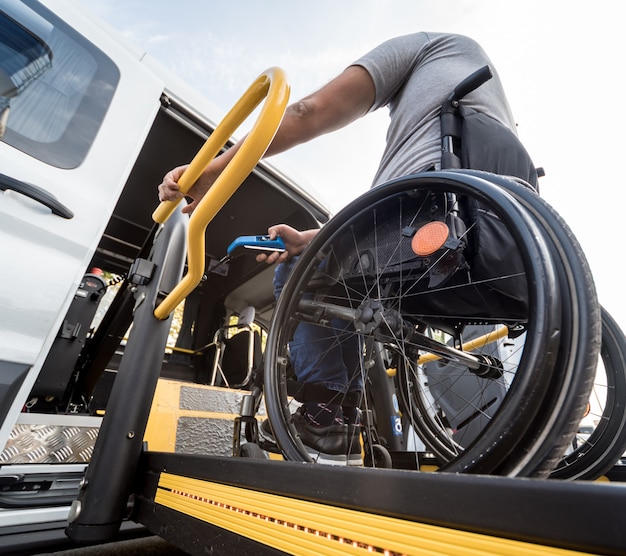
column 260, row 243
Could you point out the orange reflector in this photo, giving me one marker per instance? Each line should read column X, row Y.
column 429, row 238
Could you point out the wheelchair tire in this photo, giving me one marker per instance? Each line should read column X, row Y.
column 597, row 452
column 252, row 450
column 547, row 440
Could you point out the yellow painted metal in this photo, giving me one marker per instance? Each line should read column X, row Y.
column 165, row 413
column 183, row 350
column 476, row 343
column 312, row 529
column 271, row 85
column 162, row 425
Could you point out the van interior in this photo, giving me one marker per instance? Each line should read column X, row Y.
column 82, row 385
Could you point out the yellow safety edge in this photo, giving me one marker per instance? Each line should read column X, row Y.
column 312, row 529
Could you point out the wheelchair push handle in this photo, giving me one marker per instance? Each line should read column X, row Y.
column 450, row 120
column 471, row 83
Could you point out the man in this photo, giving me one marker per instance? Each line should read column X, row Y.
column 412, row 75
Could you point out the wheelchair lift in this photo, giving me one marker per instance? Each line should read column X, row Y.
column 221, row 505
column 210, row 504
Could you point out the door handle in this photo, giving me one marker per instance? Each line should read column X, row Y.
column 38, row 194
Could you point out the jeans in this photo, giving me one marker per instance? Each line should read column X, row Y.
column 329, row 356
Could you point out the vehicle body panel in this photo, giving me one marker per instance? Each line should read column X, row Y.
column 106, row 178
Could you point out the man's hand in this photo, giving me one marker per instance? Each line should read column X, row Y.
column 295, row 243
column 168, row 188
column 170, row 191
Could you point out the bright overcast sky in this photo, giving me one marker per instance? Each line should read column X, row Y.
column 561, row 62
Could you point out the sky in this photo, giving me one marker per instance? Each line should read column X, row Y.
column 561, row 63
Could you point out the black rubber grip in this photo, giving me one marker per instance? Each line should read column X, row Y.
column 472, row 82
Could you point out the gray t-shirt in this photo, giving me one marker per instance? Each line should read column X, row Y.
column 413, row 75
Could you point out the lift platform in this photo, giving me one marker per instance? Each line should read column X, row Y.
column 234, row 505
column 218, row 505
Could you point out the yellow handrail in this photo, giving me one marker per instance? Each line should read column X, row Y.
column 271, row 84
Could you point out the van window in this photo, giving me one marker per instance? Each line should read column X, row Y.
column 55, row 87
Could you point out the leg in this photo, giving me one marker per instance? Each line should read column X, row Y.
column 327, row 367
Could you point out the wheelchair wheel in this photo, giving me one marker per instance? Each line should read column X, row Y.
column 601, row 437
column 251, row 450
column 373, row 281
column 547, row 440
column 560, row 414
column 440, row 398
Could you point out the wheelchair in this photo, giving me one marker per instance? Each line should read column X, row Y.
column 474, row 316
column 466, row 300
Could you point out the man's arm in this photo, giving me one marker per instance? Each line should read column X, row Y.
column 340, row 102
column 337, row 104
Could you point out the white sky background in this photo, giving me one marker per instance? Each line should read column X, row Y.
column 561, row 62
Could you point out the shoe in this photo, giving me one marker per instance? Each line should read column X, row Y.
column 354, row 450
column 266, row 434
column 325, row 445
column 352, row 418
column 266, row 437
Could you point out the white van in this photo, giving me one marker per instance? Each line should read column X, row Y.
column 89, row 126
